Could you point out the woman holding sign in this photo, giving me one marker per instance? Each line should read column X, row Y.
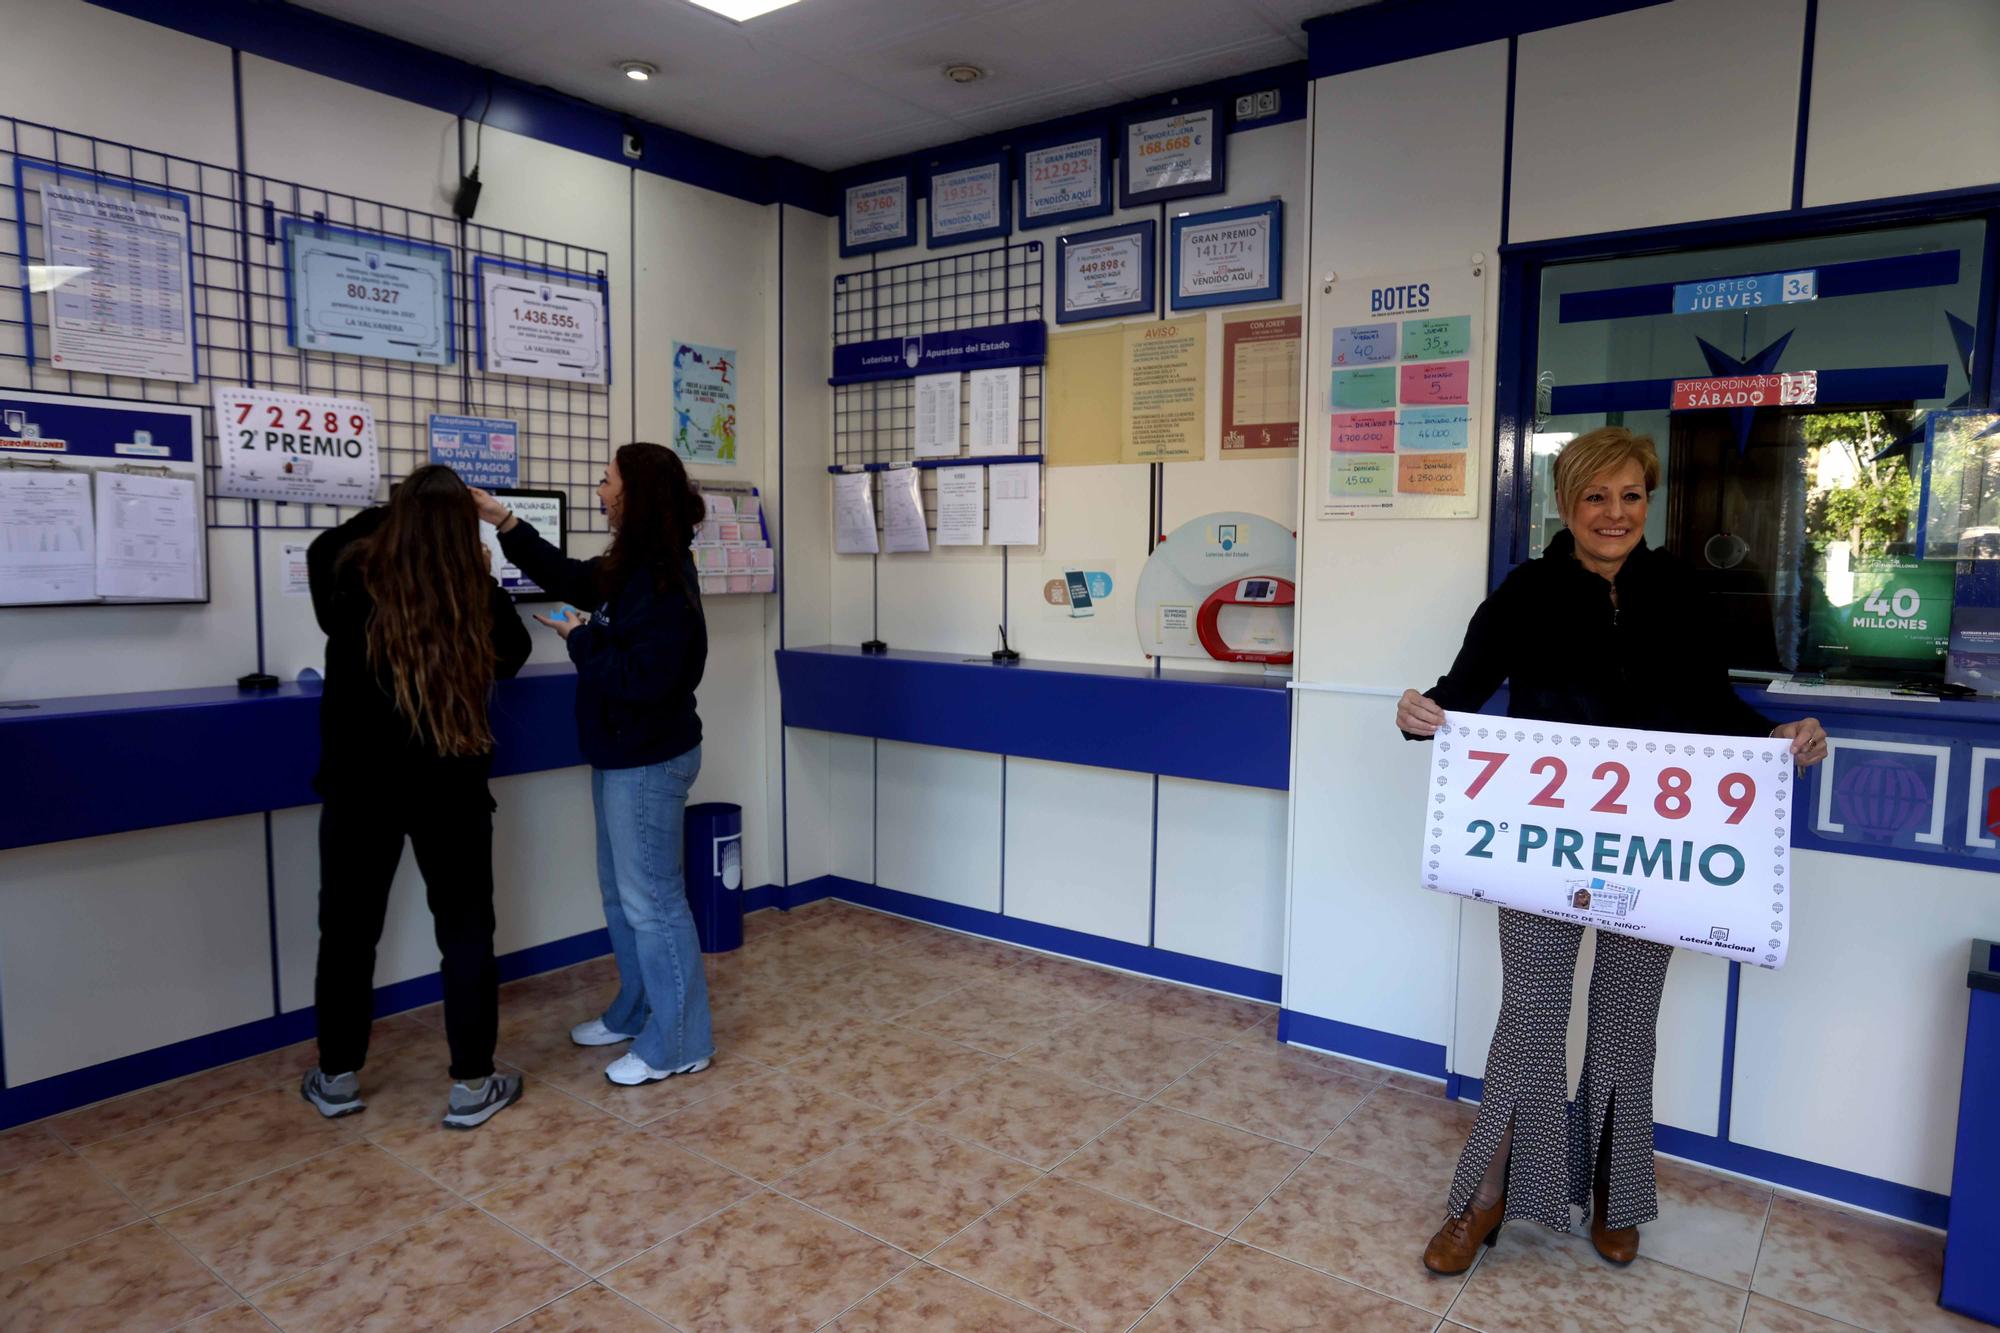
column 1602, row 630
column 638, row 660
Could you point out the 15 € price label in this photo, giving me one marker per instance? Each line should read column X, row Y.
column 1681, row 839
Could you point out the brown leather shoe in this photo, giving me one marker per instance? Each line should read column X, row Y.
column 1620, row 1246
column 1457, row 1242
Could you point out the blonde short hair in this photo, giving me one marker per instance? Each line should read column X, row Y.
column 1597, row 452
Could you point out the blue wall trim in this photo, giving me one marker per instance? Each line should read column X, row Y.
column 1794, row 1173
column 229, row 753
column 114, row 1078
column 1382, row 1048
column 1163, row 963
column 1214, row 728
column 1393, row 30
column 336, row 49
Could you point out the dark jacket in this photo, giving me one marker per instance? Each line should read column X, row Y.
column 1567, row 654
column 637, row 661
column 367, row 747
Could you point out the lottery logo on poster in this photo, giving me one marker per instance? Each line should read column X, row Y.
column 1680, row 839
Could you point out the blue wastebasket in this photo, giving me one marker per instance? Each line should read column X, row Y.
column 715, row 874
column 1971, row 1277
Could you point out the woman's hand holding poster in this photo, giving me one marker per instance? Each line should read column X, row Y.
column 1681, row 839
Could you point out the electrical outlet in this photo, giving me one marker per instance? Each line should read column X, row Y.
column 1246, row 106
column 1267, row 102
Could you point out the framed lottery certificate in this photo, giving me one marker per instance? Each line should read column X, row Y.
column 365, row 294
column 1064, row 179
column 542, row 322
column 970, row 201
column 1105, row 273
column 879, row 214
column 1683, row 840
column 1227, row 257
column 1172, row 154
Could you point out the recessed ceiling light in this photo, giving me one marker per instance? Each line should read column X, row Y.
column 638, row 70
column 963, row 73
column 741, row 10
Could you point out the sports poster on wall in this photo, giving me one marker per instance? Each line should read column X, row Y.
column 292, row 446
column 705, row 403
column 1682, row 840
column 1399, row 396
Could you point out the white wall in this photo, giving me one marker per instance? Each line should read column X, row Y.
column 1641, row 119
column 704, row 268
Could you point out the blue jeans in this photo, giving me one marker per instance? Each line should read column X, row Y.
column 662, row 994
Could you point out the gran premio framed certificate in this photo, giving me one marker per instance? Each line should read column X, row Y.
column 1065, row 178
column 1227, row 257
column 1172, row 154
column 1106, row 273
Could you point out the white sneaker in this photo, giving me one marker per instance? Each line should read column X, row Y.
column 629, row 1071
column 594, row 1033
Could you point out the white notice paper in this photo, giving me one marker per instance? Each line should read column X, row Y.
column 1682, row 840
column 1016, row 519
column 937, row 416
column 117, row 277
column 961, row 501
column 298, row 582
column 47, row 543
column 996, row 411
column 854, row 514
column 148, row 538
column 903, row 511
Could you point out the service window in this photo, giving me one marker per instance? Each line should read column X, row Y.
column 1791, row 387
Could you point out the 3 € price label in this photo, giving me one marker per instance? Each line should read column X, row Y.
column 1681, row 839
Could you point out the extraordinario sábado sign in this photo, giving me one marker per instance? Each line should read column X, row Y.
column 1681, row 839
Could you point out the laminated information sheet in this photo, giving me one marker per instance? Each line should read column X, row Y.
column 1680, row 839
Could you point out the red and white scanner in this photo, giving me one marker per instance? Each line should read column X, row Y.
column 1220, row 587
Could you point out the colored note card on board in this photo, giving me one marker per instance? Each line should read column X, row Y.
column 1430, row 474
column 1430, row 338
column 1365, row 388
column 1435, row 382
column 1364, row 344
column 1433, row 427
column 1364, row 477
column 1364, row 432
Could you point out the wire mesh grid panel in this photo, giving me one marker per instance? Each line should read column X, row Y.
column 875, row 422
column 243, row 325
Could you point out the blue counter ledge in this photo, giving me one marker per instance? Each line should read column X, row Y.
column 1186, row 724
column 114, row 763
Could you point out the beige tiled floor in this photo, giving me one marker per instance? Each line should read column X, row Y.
column 905, row 1130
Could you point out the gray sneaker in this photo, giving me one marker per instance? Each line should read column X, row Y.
column 473, row 1104
column 333, row 1095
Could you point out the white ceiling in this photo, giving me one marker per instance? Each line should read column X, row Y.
column 835, row 82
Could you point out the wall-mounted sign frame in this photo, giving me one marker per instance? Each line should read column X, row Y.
column 362, row 293
column 1106, row 273
column 970, row 200
column 1064, row 178
column 879, row 213
column 1174, row 153
column 1228, row 257
column 538, row 321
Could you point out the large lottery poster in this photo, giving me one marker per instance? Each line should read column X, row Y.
column 1683, row 840
column 1401, row 397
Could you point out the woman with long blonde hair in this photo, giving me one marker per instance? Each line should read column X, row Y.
column 417, row 632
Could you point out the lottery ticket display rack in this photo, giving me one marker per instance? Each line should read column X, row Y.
column 236, row 221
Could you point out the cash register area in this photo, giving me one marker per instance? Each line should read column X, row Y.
column 1104, row 411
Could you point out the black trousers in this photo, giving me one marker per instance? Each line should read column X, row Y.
column 360, row 844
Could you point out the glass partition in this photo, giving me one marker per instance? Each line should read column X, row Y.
column 1789, row 386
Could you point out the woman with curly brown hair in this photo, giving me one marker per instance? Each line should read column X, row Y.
column 417, row 632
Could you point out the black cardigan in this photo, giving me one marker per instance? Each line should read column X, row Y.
column 366, row 745
column 1567, row 654
column 639, row 659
